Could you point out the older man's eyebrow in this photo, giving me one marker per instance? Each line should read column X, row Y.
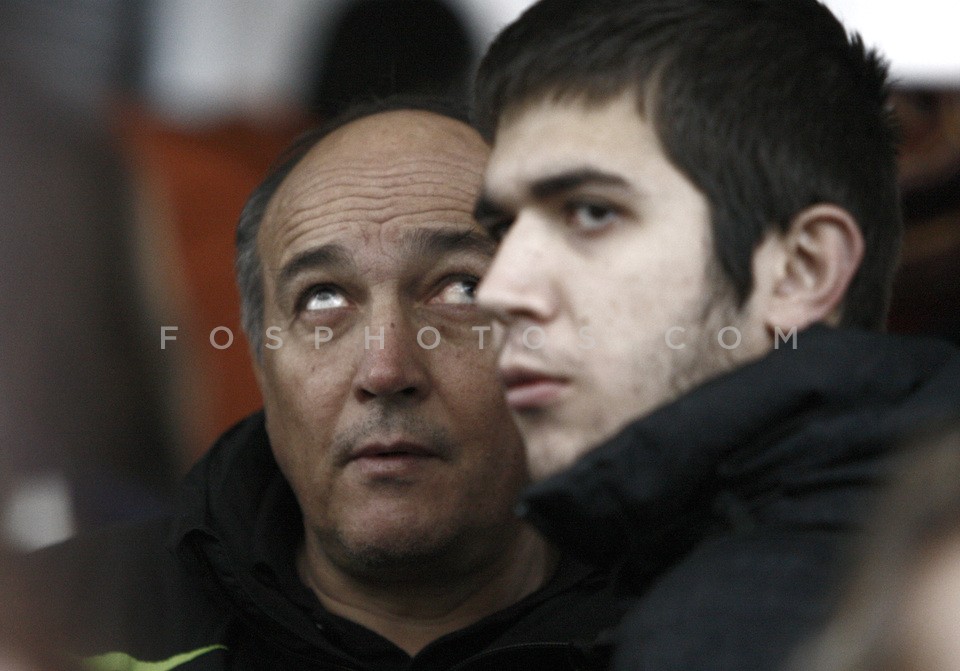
column 329, row 256
column 561, row 182
column 431, row 243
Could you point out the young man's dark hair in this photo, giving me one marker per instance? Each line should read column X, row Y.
column 767, row 106
column 677, row 185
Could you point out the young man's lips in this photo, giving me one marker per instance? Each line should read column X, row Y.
column 527, row 389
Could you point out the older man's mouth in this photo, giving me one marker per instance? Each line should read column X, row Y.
column 392, row 458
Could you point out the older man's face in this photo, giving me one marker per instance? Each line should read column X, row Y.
column 384, row 411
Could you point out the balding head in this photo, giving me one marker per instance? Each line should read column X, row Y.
column 389, row 134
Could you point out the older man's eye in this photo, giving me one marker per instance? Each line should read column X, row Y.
column 588, row 217
column 323, row 297
column 460, row 291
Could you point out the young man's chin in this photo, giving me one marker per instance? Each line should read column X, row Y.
column 549, row 453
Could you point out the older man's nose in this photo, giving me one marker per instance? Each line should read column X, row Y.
column 392, row 363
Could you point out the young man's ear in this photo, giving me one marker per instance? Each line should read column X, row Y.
column 803, row 274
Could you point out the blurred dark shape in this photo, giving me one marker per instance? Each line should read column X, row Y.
column 27, row 642
column 79, row 388
column 78, row 52
column 378, row 48
column 930, row 155
column 926, row 293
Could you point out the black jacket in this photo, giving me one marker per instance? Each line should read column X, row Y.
column 214, row 587
column 726, row 512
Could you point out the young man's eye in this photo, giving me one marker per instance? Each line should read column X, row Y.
column 322, row 297
column 459, row 291
column 589, row 217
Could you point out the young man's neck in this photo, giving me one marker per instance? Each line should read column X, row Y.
column 415, row 611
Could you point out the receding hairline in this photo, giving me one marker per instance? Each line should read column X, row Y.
column 248, row 264
column 462, row 138
column 453, row 128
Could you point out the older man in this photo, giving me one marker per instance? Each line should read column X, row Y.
column 364, row 520
column 682, row 188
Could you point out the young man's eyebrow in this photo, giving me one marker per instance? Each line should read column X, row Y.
column 548, row 187
column 325, row 256
column 553, row 185
column 488, row 210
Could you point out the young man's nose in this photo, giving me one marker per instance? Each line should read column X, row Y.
column 518, row 283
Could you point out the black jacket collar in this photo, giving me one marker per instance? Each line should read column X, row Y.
column 781, row 438
column 239, row 524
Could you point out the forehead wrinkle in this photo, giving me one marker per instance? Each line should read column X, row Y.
column 332, row 207
column 447, row 175
column 432, row 243
column 328, row 256
column 419, row 197
column 341, row 223
column 349, row 179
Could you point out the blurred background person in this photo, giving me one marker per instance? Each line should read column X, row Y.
column 901, row 611
column 83, row 434
column 926, row 297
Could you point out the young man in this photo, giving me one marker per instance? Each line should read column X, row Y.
column 365, row 519
column 698, row 214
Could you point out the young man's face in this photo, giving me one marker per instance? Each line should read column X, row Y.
column 604, row 279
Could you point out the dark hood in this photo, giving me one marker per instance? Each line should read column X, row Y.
column 239, row 523
column 793, row 439
column 237, row 494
